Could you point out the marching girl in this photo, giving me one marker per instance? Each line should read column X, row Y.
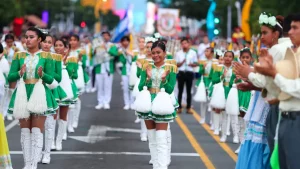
column 82, row 79
column 158, row 77
column 9, row 51
column 244, row 97
column 69, row 68
column 227, row 76
column 58, row 92
column 5, row 160
column 32, row 100
column 140, row 61
column 205, row 67
column 214, row 72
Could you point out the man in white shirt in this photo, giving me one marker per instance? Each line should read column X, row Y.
column 186, row 61
column 289, row 127
column 202, row 47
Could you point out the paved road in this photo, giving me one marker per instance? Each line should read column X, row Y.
column 119, row 147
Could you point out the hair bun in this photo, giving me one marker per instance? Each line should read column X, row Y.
column 280, row 19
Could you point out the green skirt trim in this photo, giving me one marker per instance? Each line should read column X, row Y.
column 157, row 118
column 86, row 77
column 75, row 91
column 244, row 100
column 61, row 97
column 51, row 102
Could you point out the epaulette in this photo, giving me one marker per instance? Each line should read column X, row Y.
column 4, row 52
column 72, row 59
column 45, row 55
column 19, row 55
column 171, row 68
column 141, row 61
column 146, row 66
column 214, row 66
column 219, row 68
column 171, row 61
column 56, row 57
column 82, row 52
column 201, row 62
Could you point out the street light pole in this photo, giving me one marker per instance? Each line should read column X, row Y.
column 229, row 21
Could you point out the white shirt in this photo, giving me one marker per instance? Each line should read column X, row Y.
column 278, row 52
column 291, row 87
column 201, row 50
column 190, row 56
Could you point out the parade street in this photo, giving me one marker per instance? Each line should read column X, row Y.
column 109, row 139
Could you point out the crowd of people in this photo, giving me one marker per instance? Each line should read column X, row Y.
column 42, row 79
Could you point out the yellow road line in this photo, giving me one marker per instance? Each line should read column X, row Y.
column 225, row 147
column 195, row 144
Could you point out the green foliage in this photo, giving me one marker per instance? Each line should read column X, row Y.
column 109, row 19
column 9, row 9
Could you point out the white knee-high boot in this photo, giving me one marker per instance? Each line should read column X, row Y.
column 26, row 147
column 216, row 123
column 169, row 140
column 212, row 125
column 224, row 127
column 62, row 125
column 36, row 146
column 228, row 125
column 53, row 147
column 71, row 112
column 203, row 112
column 162, row 149
column 76, row 113
column 235, row 128
column 143, row 131
column 152, row 147
column 49, row 135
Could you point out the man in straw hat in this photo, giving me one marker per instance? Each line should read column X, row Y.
column 286, row 77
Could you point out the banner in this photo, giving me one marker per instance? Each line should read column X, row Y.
column 166, row 21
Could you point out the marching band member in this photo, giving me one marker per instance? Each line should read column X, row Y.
column 213, row 73
column 104, row 68
column 69, row 72
column 32, row 100
column 227, row 76
column 139, row 53
column 205, row 68
column 9, row 51
column 126, row 57
column 81, row 81
column 140, row 62
column 244, row 97
column 158, row 76
column 89, row 62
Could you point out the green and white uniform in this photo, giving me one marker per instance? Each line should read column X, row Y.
column 104, row 69
column 33, row 62
column 156, row 83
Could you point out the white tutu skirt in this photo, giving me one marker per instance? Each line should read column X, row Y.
column 80, row 80
column 65, row 84
column 4, row 65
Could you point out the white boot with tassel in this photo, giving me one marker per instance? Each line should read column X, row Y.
column 36, row 146
column 26, row 147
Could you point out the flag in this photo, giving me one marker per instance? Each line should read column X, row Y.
column 124, row 26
